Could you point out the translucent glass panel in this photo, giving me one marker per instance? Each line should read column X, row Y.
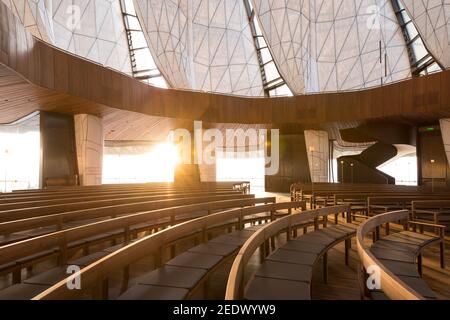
column 334, row 45
column 143, row 66
column 202, row 45
column 20, row 152
column 432, row 19
column 422, row 62
column 274, row 84
column 92, row 29
column 130, row 165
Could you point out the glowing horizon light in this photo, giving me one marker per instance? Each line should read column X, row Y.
column 157, row 165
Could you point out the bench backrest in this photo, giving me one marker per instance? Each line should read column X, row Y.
column 110, row 209
column 9, row 203
column 430, row 204
column 62, row 194
column 58, row 220
column 403, row 200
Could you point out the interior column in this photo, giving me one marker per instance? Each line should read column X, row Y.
column 89, row 144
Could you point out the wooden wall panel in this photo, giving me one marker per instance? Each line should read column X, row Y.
column 69, row 84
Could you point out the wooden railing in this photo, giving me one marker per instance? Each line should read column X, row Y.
column 236, row 279
column 93, row 277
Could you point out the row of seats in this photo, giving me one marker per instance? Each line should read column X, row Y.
column 286, row 273
column 43, row 231
column 221, row 234
column 219, row 231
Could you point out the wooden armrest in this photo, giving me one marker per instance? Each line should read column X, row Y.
column 427, row 224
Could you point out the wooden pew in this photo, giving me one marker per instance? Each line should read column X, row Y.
column 12, row 197
column 55, row 199
column 61, row 244
column 112, row 187
column 395, row 255
column 24, row 213
column 94, row 277
column 40, row 224
column 286, row 274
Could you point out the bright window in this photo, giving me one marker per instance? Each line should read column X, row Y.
column 403, row 169
column 20, row 153
column 128, row 165
column 242, row 169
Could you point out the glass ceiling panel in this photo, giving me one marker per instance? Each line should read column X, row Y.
column 336, row 45
column 203, row 45
column 91, row 29
column 142, row 62
column 432, row 20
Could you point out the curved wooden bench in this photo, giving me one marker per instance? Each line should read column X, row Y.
column 112, row 187
column 24, row 213
column 11, row 204
column 15, row 230
column 397, row 256
column 45, row 194
column 19, row 255
column 286, row 273
column 95, row 276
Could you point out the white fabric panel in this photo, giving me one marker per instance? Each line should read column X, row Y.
column 89, row 142
column 334, row 45
column 203, row 45
column 432, row 19
column 92, row 29
column 317, row 148
column 35, row 16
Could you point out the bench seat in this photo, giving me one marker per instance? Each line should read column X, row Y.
column 285, row 271
column 195, row 260
column 53, row 276
column 215, row 248
column 49, row 277
column 292, row 265
column 87, row 260
column 149, row 292
column 173, row 277
column 187, row 270
column 22, row 291
column 279, row 289
column 398, row 253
